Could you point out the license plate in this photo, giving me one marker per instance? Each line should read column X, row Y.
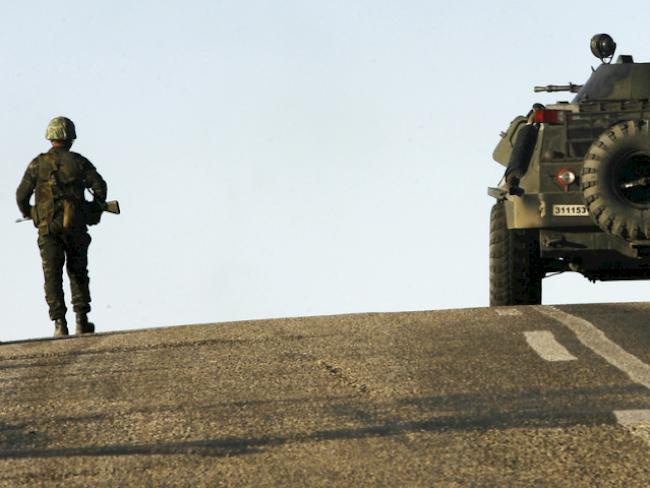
column 569, row 210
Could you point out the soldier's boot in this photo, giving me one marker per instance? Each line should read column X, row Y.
column 513, row 186
column 60, row 328
column 83, row 326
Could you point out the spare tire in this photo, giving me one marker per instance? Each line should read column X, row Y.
column 615, row 180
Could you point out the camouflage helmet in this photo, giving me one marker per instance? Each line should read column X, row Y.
column 60, row 129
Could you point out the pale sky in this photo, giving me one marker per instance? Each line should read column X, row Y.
column 285, row 158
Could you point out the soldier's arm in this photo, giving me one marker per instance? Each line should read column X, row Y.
column 26, row 188
column 94, row 181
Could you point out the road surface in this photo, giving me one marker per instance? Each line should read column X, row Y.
column 491, row 397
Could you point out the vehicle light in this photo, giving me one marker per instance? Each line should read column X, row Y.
column 549, row 116
column 565, row 177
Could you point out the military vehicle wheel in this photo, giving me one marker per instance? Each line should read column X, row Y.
column 615, row 180
column 515, row 266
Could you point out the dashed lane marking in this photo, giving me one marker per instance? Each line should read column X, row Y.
column 507, row 312
column 543, row 343
column 637, row 422
column 597, row 341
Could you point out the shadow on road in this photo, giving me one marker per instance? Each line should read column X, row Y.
column 518, row 412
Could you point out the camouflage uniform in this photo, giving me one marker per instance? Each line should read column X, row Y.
column 58, row 178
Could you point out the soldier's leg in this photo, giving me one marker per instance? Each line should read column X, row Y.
column 53, row 256
column 77, row 266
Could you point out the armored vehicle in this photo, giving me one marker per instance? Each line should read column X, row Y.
column 576, row 193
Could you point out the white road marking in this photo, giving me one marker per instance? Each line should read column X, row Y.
column 598, row 342
column 507, row 312
column 543, row 343
column 637, row 422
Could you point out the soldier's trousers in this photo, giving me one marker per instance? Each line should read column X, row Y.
column 70, row 249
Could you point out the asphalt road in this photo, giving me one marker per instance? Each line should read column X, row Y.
column 505, row 397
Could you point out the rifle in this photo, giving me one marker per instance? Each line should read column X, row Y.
column 111, row 207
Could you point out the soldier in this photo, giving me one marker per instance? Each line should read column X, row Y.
column 59, row 178
column 522, row 151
